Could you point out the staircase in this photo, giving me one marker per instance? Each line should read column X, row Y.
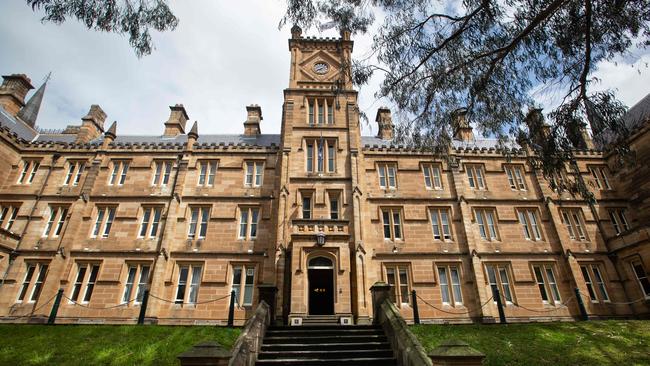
column 326, row 345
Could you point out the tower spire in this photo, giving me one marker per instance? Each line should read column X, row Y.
column 29, row 113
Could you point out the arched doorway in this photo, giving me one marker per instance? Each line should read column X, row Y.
column 320, row 272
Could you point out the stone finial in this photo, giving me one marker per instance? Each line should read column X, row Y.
column 13, row 90
column 462, row 129
column 253, row 119
column 110, row 135
column 385, row 123
column 194, row 131
column 345, row 34
column 175, row 125
column 296, row 32
column 92, row 124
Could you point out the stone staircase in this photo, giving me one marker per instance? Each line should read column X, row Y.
column 323, row 344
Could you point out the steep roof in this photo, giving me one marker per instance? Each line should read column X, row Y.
column 29, row 113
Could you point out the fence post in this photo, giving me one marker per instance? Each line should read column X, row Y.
column 581, row 305
column 143, row 307
column 502, row 314
column 55, row 307
column 416, row 313
column 231, row 310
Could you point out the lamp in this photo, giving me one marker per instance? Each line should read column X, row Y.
column 320, row 239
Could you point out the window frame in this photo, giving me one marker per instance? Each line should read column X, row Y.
column 75, row 168
column 307, row 213
column 320, row 111
column 137, row 284
column 162, row 172
column 396, row 291
column 391, row 223
column 549, row 286
column 498, row 269
column 148, row 222
column 640, row 280
column 119, row 170
column 530, row 221
column 476, row 176
column 198, row 224
column 334, row 196
column 29, row 169
column 32, row 282
column 432, row 176
column 56, row 222
column 84, row 287
column 452, row 290
column 575, row 224
column 316, row 163
column 516, row 176
column 207, row 171
column 248, row 211
column 487, row 231
column 8, row 214
column 255, row 170
column 600, row 175
column 189, row 288
column 104, row 218
column 436, row 220
column 240, row 296
column 592, row 274
column 619, row 220
column 384, row 170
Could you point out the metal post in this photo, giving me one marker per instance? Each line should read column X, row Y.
column 416, row 313
column 143, row 307
column 581, row 306
column 231, row 310
column 55, row 307
column 502, row 314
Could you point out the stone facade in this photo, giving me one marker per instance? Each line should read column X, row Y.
column 319, row 211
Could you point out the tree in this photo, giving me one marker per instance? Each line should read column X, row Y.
column 134, row 18
column 488, row 56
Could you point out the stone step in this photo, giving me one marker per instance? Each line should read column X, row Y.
column 322, row 327
column 321, row 354
column 299, row 332
column 293, row 347
column 339, row 338
column 371, row 361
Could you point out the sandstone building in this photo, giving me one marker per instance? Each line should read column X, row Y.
column 319, row 212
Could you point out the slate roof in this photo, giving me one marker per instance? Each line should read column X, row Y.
column 480, row 143
column 18, row 127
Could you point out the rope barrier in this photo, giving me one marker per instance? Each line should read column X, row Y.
column 150, row 295
column 74, row 302
column 561, row 306
column 188, row 303
column 34, row 310
column 454, row 313
column 586, row 297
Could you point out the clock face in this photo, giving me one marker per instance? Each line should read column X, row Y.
column 321, row 68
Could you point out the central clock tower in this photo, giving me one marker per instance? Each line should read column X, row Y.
column 318, row 240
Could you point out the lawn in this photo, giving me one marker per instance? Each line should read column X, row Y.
column 580, row 343
column 104, row 344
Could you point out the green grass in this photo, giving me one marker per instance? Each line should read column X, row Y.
column 579, row 343
column 104, row 344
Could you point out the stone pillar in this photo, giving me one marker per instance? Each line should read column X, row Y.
column 205, row 354
column 453, row 352
column 268, row 294
column 380, row 293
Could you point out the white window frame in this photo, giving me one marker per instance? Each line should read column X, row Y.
column 253, row 173
column 394, row 222
column 207, row 171
column 247, row 272
column 141, row 272
column 249, row 217
column 499, row 276
column 35, row 277
column 451, row 292
column 573, row 220
column 84, row 283
column 103, row 222
column 595, row 281
column 544, row 275
column 441, row 223
column 188, row 288
column 619, row 220
column 486, row 220
column 387, row 175
column 400, row 292
column 28, row 172
column 55, row 222
column 150, row 223
column 530, row 222
column 118, row 172
column 515, row 174
column 198, row 222
column 75, row 169
column 600, row 176
column 432, row 176
column 476, row 176
column 641, row 277
column 162, row 171
column 8, row 215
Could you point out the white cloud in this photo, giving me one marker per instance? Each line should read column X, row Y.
column 222, row 57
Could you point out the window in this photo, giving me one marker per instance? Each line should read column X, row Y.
column 335, row 209
column 617, row 215
column 75, row 170
column 150, row 222
column 515, row 175
column 104, row 221
column 34, row 278
column 545, row 277
column 254, row 171
column 572, row 219
column 397, row 276
column 594, row 280
column 530, row 223
column 642, row 277
column 485, row 218
column 475, row 176
column 321, row 156
column 306, row 206
column 8, row 214
column 55, row 222
column 207, row 171
column 243, row 277
column 500, row 280
column 248, row 218
column 324, row 111
column 199, row 217
column 162, row 171
column 27, row 174
column 84, row 283
column 450, row 290
column 189, row 278
column 600, row 177
column 387, row 175
column 440, row 222
column 432, row 177
column 392, row 223
column 137, row 277
column 118, row 174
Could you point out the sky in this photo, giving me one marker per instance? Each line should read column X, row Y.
column 223, row 56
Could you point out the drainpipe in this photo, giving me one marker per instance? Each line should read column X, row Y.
column 14, row 253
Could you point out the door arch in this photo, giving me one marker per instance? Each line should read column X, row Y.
column 320, row 273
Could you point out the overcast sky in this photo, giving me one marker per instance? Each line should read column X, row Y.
column 222, row 56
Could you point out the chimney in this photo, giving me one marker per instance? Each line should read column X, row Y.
column 296, row 32
column 462, row 129
column 109, row 136
column 92, row 125
column 252, row 124
column 177, row 119
column 13, row 90
column 385, row 123
column 538, row 130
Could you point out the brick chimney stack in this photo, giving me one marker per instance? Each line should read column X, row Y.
column 385, row 123
column 537, row 127
column 13, row 90
column 462, row 130
column 253, row 118
column 92, row 125
column 177, row 119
